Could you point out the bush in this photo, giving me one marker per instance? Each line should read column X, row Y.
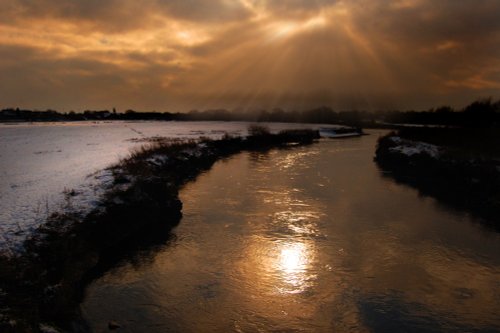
column 258, row 130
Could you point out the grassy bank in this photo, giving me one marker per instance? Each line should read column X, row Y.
column 473, row 142
column 42, row 288
column 459, row 167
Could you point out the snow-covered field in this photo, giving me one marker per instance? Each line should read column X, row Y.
column 40, row 162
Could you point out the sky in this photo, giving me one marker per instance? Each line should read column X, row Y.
column 180, row 55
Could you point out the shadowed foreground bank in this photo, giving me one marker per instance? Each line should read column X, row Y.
column 42, row 288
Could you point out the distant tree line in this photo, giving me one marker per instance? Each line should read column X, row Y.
column 480, row 113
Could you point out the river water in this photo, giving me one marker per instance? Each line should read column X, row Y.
column 41, row 161
column 310, row 239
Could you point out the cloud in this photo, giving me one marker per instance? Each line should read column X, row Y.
column 217, row 11
column 87, row 80
column 194, row 53
column 110, row 15
column 296, row 7
column 115, row 16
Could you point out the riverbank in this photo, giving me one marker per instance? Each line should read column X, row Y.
column 459, row 167
column 41, row 288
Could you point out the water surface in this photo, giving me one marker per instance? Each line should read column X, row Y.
column 311, row 239
column 39, row 161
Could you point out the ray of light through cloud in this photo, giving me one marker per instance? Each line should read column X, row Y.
column 177, row 55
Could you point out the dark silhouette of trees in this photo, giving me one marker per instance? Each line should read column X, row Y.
column 480, row 113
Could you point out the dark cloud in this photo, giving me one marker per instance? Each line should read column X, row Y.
column 430, row 21
column 449, row 39
column 219, row 11
column 122, row 15
column 110, row 15
column 296, row 7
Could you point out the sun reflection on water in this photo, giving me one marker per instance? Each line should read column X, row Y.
column 292, row 258
column 280, row 259
column 280, row 265
column 293, row 264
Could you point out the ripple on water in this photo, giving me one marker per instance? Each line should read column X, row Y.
column 262, row 247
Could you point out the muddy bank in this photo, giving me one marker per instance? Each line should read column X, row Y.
column 453, row 176
column 40, row 290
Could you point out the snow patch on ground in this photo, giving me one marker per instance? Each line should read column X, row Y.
column 157, row 160
column 410, row 148
column 44, row 328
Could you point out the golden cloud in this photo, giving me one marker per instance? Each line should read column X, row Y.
column 249, row 53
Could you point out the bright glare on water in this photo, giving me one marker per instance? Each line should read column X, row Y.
column 310, row 239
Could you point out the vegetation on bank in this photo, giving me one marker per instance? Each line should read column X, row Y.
column 458, row 166
column 479, row 113
column 463, row 142
column 41, row 288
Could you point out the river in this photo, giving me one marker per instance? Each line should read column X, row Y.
column 41, row 161
column 308, row 239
